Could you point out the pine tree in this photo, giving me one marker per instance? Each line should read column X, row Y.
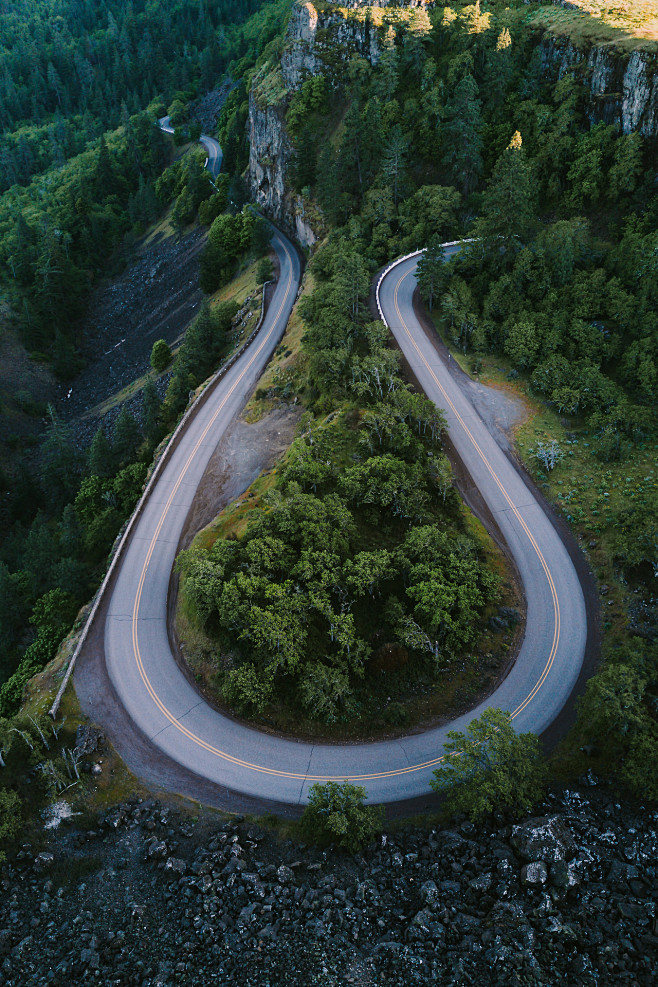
column 431, row 273
column 101, row 457
column 306, row 159
column 104, row 173
column 463, row 138
column 394, row 163
column 151, row 405
column 125, row 438
column 509, row 203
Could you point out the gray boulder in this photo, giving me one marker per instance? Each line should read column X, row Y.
column 175, row 867
column 429, row 893
column 43, row 861
column 534, row 874
column 285, row 875
column 563, row 875
column 545, row 838
column 158, row 850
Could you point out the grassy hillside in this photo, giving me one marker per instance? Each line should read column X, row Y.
column 620, row 25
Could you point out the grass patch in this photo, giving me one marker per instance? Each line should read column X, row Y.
column 623, row 25
column 282, row 375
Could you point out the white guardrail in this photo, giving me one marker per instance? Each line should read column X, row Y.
column 401, row 260
column 189, row 414
column 164, row 459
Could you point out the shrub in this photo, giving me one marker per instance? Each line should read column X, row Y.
column 489, row 766
column 10, row 818
column 160, row 355
column 337, row 814
column 264, row 270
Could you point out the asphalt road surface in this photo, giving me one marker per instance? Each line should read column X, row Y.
column 213, row 150
column 165, row 706
column 168, row 711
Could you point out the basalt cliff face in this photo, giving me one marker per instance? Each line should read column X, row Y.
column 270, row 155
column 320, row 39
column 620, row 88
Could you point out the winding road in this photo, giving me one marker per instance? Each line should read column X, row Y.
column 173, row 717
column 213, row 150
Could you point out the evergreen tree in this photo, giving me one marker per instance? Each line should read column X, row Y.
column 394, row 162
column 104, row 179
column 463, row 135
column 509, row 202
column 305, row 159
column 59, row 463
column 431, row 272
column 101, row 457
column 151, row 406
column 125, row 438
column 160, row 355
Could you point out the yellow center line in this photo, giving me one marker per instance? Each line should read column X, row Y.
column 514, row 509
column 224, row 755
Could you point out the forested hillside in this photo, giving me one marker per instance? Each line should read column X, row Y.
column 454, row 120
column 89, row 68
column 381, row 130
column 71, row 70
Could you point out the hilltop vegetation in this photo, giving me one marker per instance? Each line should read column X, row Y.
column 461, row 128
column 622, row 25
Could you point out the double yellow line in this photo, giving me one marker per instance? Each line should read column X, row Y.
column 303, row 776
column 514, row 509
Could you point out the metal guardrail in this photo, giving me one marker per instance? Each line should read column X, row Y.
column 401, row 260
column 190, row 413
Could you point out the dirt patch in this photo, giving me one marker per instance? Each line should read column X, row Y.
column 241, row 455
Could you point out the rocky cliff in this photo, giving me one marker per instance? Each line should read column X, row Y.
column 321, row 38
column 622, row 88
column 270, row 154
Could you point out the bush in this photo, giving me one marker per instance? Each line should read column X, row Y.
column 264, row 270
column 337, row 814
column 213, row 207
column 491, row 767
column 10, row 818
column 160, row 355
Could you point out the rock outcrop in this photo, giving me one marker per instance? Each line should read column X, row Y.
column 622, row 88
column 320, row 38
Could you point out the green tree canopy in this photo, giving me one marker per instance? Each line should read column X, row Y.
column 489, row 766
column 337, row 813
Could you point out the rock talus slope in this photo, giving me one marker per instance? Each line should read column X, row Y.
column 150, row 897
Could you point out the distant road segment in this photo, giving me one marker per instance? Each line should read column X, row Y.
column 213, row 150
